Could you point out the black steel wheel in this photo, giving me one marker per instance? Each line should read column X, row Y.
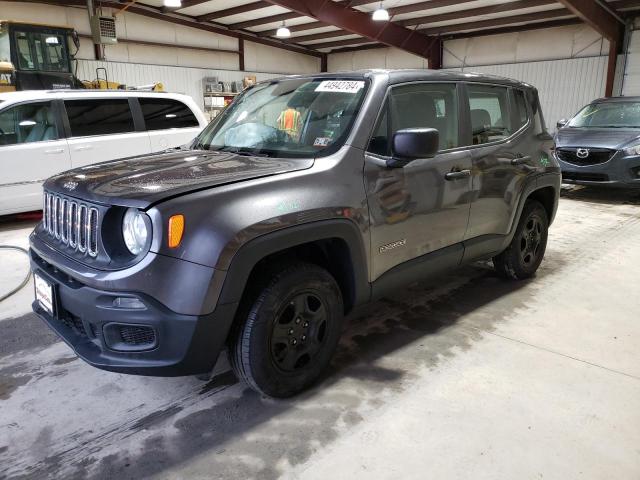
column 524, row 254
column 289, row 330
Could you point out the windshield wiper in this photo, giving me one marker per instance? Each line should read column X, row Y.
column 243, row 151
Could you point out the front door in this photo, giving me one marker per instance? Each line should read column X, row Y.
column 31, row 150
column 424, row 206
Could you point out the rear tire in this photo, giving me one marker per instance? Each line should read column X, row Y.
column 289, row 332
column 524, row 254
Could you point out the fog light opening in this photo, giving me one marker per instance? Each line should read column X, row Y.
column 129, row 303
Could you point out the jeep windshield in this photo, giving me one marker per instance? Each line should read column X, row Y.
column 608, row 115
column 297, row 118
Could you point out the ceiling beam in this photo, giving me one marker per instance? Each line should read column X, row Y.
column 290, row 15
column 185, row 4
column 413, row 7
column 457, row 15
column 360, row 23
column 597, row 17
column 475, row 12
column 185, row 20
column 227, row 12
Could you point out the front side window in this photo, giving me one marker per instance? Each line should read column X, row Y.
column 291, row 118
column 164, row 113
column 422, row 105
column 28, row 123
column 608, row 115
column 489, row 107
column 99, row 117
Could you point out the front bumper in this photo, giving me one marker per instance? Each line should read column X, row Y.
column 158, row 341
column 619, row 171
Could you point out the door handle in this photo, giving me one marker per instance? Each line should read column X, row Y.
column 83, row 147
column 520, row 159
column 457, row 175
column 54, row 151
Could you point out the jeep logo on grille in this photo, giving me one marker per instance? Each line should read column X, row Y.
column 582, row 152
column 70, row 185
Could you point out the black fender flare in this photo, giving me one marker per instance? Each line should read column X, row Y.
column 248, row 256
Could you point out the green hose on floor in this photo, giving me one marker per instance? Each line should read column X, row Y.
column 26, row 279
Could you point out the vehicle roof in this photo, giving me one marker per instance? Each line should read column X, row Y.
column 616, row 99
column 79, row 93
column 412, row 75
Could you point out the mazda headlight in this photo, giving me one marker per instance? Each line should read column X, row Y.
column 632, row 150
column 134, row 230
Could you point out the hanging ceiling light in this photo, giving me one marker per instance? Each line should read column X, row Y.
column 380, row 15
column 283, row 31
column 173, row 3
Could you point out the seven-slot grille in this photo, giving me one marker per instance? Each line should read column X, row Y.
column 72, row 223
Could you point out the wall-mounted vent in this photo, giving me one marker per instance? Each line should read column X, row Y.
column 103, row 30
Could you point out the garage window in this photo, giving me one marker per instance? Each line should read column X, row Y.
column 99, row 117
column 489, row 106
column 164, row 113
column 28, row 123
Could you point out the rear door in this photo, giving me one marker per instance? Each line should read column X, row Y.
column 102, row 129
column 32, row 148
column 170, row 122
column 501, row 147
column 419, row 208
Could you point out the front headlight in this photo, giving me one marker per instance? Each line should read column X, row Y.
column 632, row 150
column 134, row 230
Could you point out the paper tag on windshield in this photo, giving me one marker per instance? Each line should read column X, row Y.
column 340, row 86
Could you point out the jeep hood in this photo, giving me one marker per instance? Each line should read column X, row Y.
column 144, row 180
column 613, row 138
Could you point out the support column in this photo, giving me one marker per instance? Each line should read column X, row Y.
column 611, row 68
column 241, row 54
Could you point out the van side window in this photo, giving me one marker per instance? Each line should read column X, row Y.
column 489, row 106
column 165, row 113
column 426, row 105
column 28, row 123
column 99, row 116
column 520, row 108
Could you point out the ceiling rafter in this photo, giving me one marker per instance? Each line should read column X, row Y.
column 227, row 12
column 185, row 4
column 360, row 23
column 290, row 15
column 597, row 17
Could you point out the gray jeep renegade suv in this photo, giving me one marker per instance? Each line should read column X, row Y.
column 308, row 196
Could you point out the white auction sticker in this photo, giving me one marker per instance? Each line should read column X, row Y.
column 340, row 86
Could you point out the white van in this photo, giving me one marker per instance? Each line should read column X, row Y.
column 46, row 132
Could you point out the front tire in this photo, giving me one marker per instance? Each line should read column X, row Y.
column 524, row 254
column 290, row 332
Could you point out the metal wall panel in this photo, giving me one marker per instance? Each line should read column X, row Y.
column 185, row 80
column 564, row 86
column 631, row 81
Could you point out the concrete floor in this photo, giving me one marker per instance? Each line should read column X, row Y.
column 465, row 377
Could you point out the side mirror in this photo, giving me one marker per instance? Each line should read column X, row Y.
column 411, row 143
column 561, row 123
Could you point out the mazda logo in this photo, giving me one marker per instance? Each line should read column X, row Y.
column 582, row 152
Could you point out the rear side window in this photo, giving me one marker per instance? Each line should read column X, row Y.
column 99, row 117
column 164, row 113
column 422, row 105
column 28, row 123
column 520, row 108
column 489, row 106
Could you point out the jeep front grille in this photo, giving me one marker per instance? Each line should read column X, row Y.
column 72, row 223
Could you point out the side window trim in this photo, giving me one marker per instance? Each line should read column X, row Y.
column 517, row 129
column 136, row 112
